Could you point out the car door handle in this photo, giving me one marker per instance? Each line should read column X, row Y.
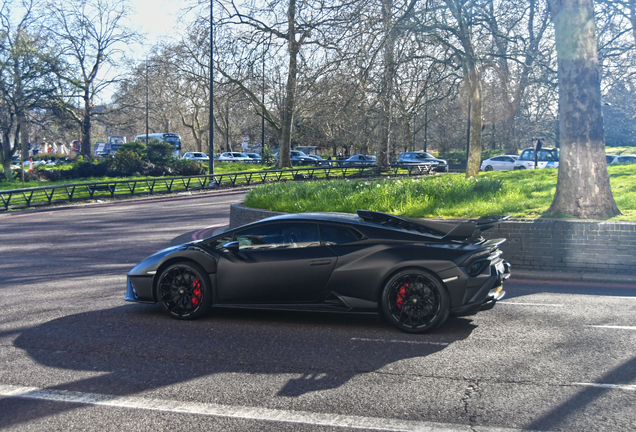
column 320, row 262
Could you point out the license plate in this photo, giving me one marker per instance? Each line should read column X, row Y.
column 500, row 267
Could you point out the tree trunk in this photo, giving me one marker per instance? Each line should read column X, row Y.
column 583, row 187
column 408, row 135
column 509, row 135
column 387, row 85
column 474, row 152
column 86, row 129
column 7, row 151
column 290, row 89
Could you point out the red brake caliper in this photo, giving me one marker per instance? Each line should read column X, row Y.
column 196, row 298
column 401, row 297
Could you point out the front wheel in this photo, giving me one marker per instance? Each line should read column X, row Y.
column 184, row 291
column 415, row 301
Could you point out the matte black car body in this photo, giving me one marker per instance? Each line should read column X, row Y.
column 345, row 268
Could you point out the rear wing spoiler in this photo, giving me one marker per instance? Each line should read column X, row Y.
column 445, row 231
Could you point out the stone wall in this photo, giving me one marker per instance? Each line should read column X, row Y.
column 549, row 245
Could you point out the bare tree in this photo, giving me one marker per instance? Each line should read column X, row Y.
column 583, row 187
column 90, row 34
column 26, row 76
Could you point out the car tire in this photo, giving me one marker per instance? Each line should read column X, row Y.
column 184, row 291
column 488, row 168
column 521, row 167
column 415, row 301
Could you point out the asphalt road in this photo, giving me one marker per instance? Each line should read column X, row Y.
column 75, row 356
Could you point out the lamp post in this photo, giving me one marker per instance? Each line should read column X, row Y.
column 263, row 109
column 211, row 119
column 147, row 107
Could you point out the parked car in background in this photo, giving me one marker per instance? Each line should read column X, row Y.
column 499, row 163
column 196, row 156
column 255, row 157
column 624, row 160
column 234, row 157
column 319, row 161
column 423, row 157
column 359, row 160
column 610, row 158
column 546, row 158
column 102, row 149
column 299, row 158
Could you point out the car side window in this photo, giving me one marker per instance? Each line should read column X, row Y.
column 545, row 155
column 527, row 155
column 337, row 235
column 278, row 236
column 218, row 242
column 497, row 159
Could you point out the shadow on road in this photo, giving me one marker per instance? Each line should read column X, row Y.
column 140, row 349
column 623, row 374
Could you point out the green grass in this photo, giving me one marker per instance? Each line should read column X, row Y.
column 522, row 194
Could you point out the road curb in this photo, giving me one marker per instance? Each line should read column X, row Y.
column 107, row 201
column 623, row 279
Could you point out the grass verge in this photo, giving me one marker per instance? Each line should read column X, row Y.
column 522, row 194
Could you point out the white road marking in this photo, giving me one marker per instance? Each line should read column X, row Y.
column 400, row 341
column 613, row 327
column 609, row 386
column 238, row 412
column 529, row 304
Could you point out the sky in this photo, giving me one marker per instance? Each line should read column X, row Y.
column 157, row 19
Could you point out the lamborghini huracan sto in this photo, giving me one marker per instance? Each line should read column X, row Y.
column 416, row 272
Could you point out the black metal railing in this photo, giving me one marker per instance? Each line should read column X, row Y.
column 47, row 195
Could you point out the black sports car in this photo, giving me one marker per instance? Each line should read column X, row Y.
column 416, row 272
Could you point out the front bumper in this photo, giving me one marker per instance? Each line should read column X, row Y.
column 489, row 293
column 139, row 289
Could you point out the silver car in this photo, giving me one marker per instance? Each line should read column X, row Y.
column 196, row 156
column 499, row 163
column 423, row 157
column 234, row 157
column 624, row 160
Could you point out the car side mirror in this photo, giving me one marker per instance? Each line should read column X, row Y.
column 232, row 246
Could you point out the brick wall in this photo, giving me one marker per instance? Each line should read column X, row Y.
column 558, row 245
column 550, row 245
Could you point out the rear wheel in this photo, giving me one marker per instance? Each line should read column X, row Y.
column 184, row 291
column 488, row 168
column 415, row 301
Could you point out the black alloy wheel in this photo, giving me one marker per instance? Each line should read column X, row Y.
column 415, row 301
column 183, row 289
column 488, row 168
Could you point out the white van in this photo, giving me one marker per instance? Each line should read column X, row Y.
column 546, row 158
